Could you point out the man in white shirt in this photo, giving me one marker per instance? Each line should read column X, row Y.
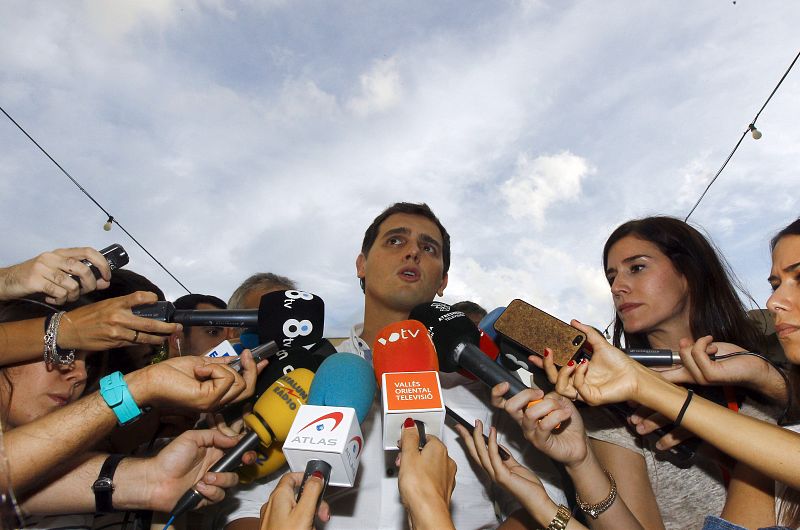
column 403, row 262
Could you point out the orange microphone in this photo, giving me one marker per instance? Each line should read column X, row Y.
column 407, row 370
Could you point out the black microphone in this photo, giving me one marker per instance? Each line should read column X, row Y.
column 229, row 461
column 456, row 337
column 290, row 318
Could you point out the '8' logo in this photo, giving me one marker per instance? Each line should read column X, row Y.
column 293, row 328
column 301, row 295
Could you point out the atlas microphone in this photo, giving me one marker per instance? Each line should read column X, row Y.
column 455, row 337
column 407, row 369
column 326, row 435
column 290, row 318
column 270, row 421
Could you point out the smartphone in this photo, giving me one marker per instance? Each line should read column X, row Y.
column 116, row 256
column 534, row 330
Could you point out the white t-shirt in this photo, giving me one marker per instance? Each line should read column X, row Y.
column 374, row 500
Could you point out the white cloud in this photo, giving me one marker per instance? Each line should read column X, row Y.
column 539, row 183
column 381, row 89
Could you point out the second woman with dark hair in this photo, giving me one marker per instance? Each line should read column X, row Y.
column 670, row 287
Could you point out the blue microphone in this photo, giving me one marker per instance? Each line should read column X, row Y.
column 487, row 322
column 344, row 380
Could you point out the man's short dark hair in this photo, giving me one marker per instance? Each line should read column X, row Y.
column 469, row 308
column 423, row 210
column 191, row 301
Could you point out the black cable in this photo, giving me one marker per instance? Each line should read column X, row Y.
column 750, row 127
column 110, row 217
column 780, row 371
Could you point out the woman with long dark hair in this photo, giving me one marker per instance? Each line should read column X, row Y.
column 611, row 377
column 29, row 390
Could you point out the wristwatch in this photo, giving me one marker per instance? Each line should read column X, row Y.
column 103, row 487
column 115, row 393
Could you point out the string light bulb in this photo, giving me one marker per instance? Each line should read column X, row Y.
column 755, row 132
column 108, row 224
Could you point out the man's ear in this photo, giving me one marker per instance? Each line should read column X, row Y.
column 440, row 292
column 174, row 339
column 361, row 265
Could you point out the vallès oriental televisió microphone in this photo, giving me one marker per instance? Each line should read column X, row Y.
column 270, row 421
column 455, row 337
column 327, row 428
column 407, row 370
column 290, row 318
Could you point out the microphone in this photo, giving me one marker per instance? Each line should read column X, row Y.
column 344, row 380
column 326, row 430
column 487, row 322
column 407, row 369
column 290, row 318
column 280, row 403
column 455, row 337
column 649, row 357
column 281, row 362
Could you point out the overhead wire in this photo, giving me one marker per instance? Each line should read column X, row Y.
column 751, row 127
column 111, row 218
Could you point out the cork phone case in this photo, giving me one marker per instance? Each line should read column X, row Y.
column 533, row 329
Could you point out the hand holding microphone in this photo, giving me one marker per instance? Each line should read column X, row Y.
column 426, row 479
column 283, row 511
column 271, row 420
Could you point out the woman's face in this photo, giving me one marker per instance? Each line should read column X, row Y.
column 37, row 389
column 785, row 300
column 649, row 294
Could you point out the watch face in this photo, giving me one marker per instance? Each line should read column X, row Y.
column 103, row 484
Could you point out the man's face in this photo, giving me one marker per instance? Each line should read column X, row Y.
column 198, row 340
column 404, row 266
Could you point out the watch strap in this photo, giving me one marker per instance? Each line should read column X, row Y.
column 115, row 393
column 103, row 487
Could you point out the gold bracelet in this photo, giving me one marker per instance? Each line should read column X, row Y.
column 594, row 510
column 561, row 518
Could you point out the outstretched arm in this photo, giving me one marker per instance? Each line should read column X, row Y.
column 612, row 377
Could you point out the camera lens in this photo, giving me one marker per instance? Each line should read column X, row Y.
column 577, row 340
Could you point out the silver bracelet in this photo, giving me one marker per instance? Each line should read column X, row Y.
column 52, row 353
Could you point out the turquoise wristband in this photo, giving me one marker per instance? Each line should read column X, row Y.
column 115, row 393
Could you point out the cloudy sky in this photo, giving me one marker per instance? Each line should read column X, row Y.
column 235, row 137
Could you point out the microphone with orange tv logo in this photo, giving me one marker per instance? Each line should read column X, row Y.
column 407, row 370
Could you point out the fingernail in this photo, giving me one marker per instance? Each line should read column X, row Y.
column 584, row 361
column 319, row 475
column 409, row 423
column 201, row 483
column 210, row 479
column 571, row 363
column 546, row 352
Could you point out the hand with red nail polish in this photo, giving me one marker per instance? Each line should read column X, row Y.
column 282, row 511
column 426, row 479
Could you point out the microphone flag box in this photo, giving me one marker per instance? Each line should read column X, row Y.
column 330, row 434
column 416, row 395
column 223, row 349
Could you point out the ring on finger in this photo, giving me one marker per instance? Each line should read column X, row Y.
column 135, row 336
